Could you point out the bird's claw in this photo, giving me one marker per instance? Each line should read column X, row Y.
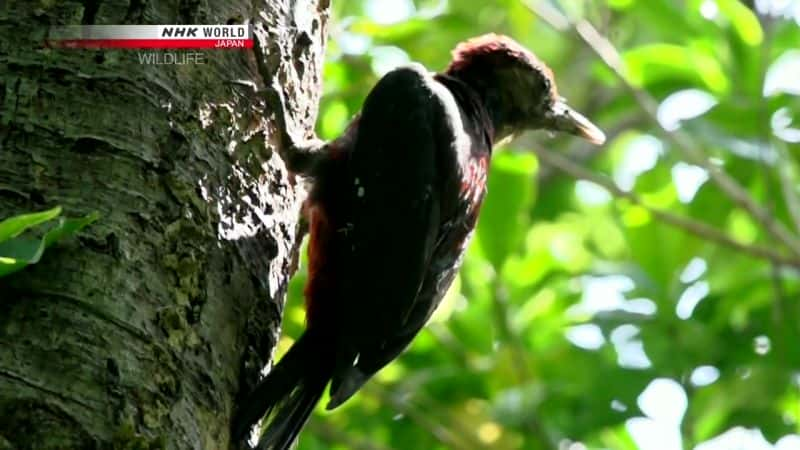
column 299, row 155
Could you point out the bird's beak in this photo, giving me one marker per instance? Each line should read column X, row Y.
column 568, row 120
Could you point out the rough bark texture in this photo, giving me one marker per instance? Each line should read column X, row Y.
column 144, row 330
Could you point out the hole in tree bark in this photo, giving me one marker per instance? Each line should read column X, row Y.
column 37, row 196
column 87, row 145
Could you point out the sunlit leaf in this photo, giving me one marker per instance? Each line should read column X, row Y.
column 18, row 252
column 743, row 20
column 13, row 226
column 504, row 215
column 654, row 63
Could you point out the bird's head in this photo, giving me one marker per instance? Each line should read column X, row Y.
column 518, row 90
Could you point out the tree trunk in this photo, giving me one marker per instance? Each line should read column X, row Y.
column 143, row 331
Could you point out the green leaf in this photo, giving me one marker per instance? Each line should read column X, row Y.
column 68, row 227
column 13, row 226
column 334, row 119
column 402, row 30
column 620, row 4
column 19, row 252
column 504, row 217
column 743, row 21
column 656, row 63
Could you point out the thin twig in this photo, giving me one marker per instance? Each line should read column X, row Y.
column 611, row 57
column 692, row 226
column 507, row 333
column 519, row 360
column 421, row 417
column 445, row 339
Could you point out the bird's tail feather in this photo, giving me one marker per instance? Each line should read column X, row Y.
column 291, row 414
column 288, row 394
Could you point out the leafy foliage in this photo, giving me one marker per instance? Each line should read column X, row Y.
column 18, row 251
column 640, row 295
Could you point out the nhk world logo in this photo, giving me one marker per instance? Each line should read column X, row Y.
column 185, row 37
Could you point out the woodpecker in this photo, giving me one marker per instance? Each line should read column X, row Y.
column 393, row 204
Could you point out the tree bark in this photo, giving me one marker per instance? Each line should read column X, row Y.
column 144, row 330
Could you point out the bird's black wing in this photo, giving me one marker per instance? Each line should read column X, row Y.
column 442, row 269
column 395, row 218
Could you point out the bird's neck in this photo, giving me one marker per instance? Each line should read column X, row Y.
column 471, row 103
column 483, row 88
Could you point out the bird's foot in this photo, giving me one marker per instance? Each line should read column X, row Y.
column 301, row 156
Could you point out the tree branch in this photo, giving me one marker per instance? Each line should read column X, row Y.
column 692, row 226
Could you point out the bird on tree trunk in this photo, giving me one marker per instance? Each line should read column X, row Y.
column 394, row 202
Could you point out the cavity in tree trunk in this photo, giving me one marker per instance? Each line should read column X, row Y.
column 144, row 330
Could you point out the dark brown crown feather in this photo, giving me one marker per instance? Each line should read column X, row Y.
column 498, row 50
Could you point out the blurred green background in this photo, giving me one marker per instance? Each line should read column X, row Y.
column 662, row 315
